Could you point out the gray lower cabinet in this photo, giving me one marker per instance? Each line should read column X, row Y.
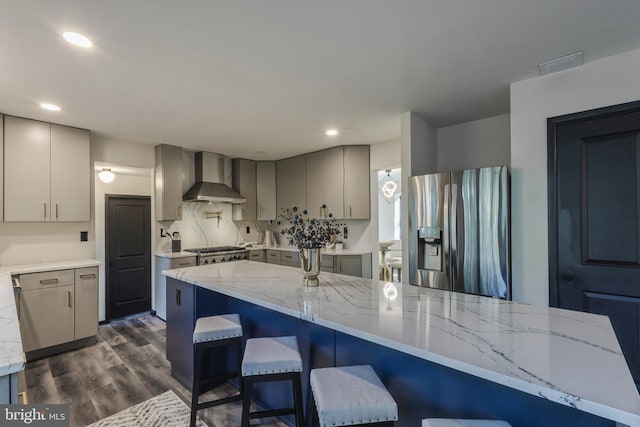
column 351, row 265
column 258, row 255
column 273, row 256
column 57, row 307
column 86, row 307
column 290, row 259
column 164, row 263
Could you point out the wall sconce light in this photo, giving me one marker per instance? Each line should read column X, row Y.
column 106, row 175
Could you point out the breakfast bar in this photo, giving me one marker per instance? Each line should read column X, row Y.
column 440, row 354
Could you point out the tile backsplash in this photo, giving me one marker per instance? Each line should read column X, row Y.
column 204, row 224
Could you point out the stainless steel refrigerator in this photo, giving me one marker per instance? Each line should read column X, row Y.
column 459, row 231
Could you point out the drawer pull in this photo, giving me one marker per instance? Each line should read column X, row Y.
column 184, row 263
column 288, row 256
column 48, row 281
column 88, row 276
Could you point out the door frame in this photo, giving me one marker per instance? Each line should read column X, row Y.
column 107, row 198
column 552, row 181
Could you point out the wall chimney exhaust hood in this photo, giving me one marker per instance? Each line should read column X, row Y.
column 209, row 186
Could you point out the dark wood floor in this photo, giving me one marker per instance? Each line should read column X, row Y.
column 125, row 367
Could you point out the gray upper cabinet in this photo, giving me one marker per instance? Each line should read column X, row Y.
column 325, row 178
column 244, row 182
column 291, row 183
column 356, row 182
column 46, row 171
column 266, row 190
column 70, row 174
column 168, row 183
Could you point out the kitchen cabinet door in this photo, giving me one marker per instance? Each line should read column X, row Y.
column 244, row 182
column 290, row 259
column 273, row 256
column 86, row 306
column 27, row 170
column 168, row 182
column 325, row 182
column 351, row 265
column 257, row 255
column 70, row 174
column 266, row 190
column 46, row 317
column 356, row 182
column 291, row 183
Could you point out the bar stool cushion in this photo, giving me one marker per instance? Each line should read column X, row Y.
column 215, row 328
column 272, row 355
column 351, row 395
column 445, row 422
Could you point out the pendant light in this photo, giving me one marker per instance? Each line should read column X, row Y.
column 389, row 187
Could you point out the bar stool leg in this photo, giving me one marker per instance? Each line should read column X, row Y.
column 297, row 400
column 314, row 412
column 239, row 361
column 195, row 389
column 247, row 388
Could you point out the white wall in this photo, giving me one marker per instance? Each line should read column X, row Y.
column 418, row 142
column 609, row 81
column 386, row 155
column 476, row 144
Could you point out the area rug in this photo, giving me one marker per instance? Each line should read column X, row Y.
column 164, row 410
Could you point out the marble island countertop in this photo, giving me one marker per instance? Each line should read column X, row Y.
column 11, row 355
column 568, row 357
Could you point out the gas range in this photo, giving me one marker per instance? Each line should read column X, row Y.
column 216, row 254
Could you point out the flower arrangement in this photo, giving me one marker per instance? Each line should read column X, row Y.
column 308, row 233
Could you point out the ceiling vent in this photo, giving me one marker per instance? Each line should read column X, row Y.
column 561, row 64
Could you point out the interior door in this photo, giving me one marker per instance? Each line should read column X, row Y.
column 594, row 217
column 128, row 249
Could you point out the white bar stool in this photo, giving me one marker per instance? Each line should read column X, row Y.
column 214, row 331
column 447, row 422
column 267, row 360
column 351, row 395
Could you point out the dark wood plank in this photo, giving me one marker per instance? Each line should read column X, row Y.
column 40, row 386
column 107, row 400
column 110, row 335
column 61, row 364
column 128, row 385
column 131, row 335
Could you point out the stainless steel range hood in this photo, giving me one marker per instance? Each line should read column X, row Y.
column 209, row 186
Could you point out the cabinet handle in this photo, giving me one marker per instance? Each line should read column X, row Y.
column 339, row 265
column 69, row 297
column 56, row 211
column 45, row 210
column 350, row 212
column 88, row 276
column 178, row 302
column 184, row 263
column 48, row 281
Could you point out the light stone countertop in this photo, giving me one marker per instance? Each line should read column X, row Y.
column 172, row 255
column 324, row 251
column 568, row 357
column 11, row 354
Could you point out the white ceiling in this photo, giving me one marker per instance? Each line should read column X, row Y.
column 239, row 77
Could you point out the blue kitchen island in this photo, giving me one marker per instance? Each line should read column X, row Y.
column 440, row 354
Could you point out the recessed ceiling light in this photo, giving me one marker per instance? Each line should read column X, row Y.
column 77, row 39
column 50, row 107
column 332, row 132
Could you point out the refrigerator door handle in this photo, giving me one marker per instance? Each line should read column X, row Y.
column 453, row 233
column 446, row 253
